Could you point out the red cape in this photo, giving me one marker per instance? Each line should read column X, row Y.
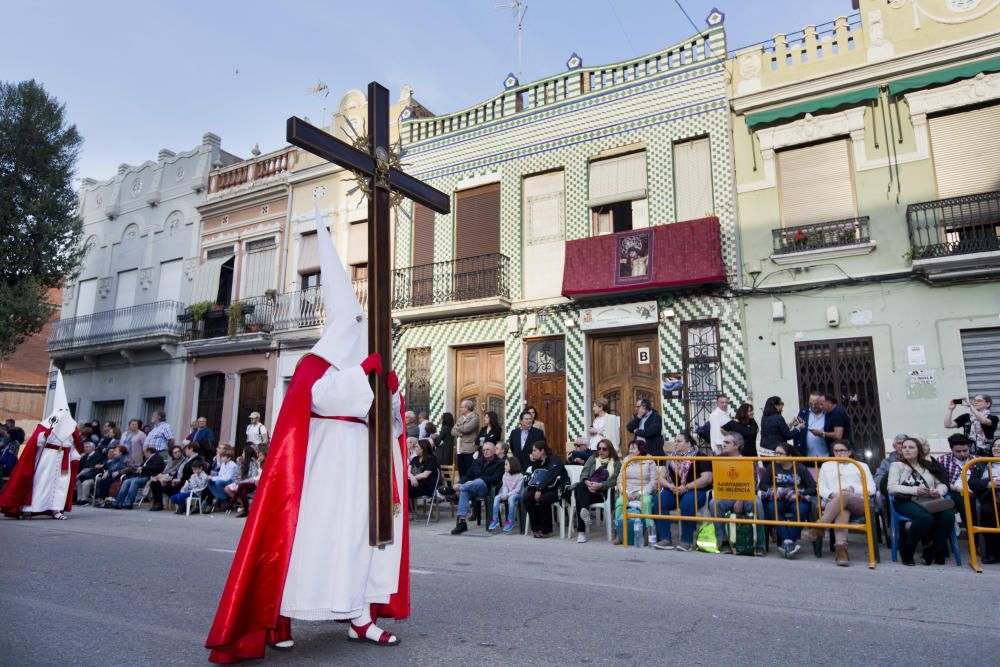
column 17, row 493
column 248, row 615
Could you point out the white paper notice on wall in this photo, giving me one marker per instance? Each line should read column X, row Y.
column 916, row 355
column 920, row 383
column 861, row 317
column 643, row 355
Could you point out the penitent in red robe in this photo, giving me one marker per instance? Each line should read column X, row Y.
column 248, row 616
column 17, row 493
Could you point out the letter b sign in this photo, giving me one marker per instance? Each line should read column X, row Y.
column 643, row 355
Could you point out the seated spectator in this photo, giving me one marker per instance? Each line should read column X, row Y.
column 598, row 477
column 483, row 474
column 787, row 489
column 636, row 486
column 8, row 452
column 196, row 482
column 91, row 465
column 841, row 493
column 174, row 461
column 151, row 467
column 226, row 475
column 423, row 470
column 732, row 445
column 173, row 485
column 913, row 480
column 510, row 492
column 548, row 477
column 684, row 485
column 984, row 482
column 412, row 448
column 251, row 467
column 952, row 464
column 14, row 432
column 581, row 452
column 113, row 470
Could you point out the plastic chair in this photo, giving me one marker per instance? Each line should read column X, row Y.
column 429, row 501
column 195, row 497
column 898, row 519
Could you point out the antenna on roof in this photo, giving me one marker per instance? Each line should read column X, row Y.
column 321, row 87
column 520, row 9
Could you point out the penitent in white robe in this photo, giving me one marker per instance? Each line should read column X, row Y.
column 50, row 484
column 334, row 573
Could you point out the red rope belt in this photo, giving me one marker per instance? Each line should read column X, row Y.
column 354, row 420
column 65, row 457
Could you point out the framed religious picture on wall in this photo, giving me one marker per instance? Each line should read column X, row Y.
column 633, row 252
column 673, row 386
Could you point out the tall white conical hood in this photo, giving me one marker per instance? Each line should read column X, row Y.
column 344, row 342
column 60, row 420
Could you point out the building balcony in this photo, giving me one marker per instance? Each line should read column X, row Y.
column 305, row 310
column 257, row 172
column 955, row 237
column 662, row 257
column 838, row 238
column 475, row 284
column 147, row 325
column 244, row 325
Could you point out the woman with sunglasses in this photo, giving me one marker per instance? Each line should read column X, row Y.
column 599, row 475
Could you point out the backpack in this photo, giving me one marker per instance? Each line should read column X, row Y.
column 704, row 431
column 742, row 536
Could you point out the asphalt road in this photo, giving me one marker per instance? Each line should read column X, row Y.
column 125, row 588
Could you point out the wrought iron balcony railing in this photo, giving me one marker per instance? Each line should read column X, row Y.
column 482, row 277
column 122, row 324
column 252, row 315
column 305, row 308
column 955, row 226
column 820, row 235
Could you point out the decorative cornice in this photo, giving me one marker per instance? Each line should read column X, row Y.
column 981, row 88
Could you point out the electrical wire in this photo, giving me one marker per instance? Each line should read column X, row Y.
column 622, row 26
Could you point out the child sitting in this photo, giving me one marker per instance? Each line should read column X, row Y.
column 196, row 483
column 510, row 491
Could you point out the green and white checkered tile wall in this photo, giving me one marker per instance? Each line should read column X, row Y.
column 655, row 112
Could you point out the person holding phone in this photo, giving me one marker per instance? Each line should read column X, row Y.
column 979, row 423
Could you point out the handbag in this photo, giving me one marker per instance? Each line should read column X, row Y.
column 932, row 505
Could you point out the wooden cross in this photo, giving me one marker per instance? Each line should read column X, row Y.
column 382, row 179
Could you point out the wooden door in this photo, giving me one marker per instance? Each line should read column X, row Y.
column 480, row 378
column 846, row 369
column 546, row 389
column 253, row 398
column 624, row 369
column 211, row 397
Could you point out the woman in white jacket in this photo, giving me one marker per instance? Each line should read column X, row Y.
column 842, row 494
column 638, row 482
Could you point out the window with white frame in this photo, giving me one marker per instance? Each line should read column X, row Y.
column 693, row 180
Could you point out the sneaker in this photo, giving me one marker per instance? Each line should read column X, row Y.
column 759, row 552
column 585, row 517
column 581, row 538
column 508, row 526
column 685, row 546
column 785, row 546
column 792, row 549
column 460, row 528
column 664, row 545
column 494, row 525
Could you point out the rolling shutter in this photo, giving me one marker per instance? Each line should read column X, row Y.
column 816, row 184
column 981, row 351
column 477, row 222
column 692, row 180
column 357, row 243
column 423, row 235
column 966, row 149
column 617, row 179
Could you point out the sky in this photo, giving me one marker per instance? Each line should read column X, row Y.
column 138, row 77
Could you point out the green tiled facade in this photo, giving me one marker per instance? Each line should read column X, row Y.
column 680, row 102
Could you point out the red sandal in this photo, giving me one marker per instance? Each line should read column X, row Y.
column 358, row 634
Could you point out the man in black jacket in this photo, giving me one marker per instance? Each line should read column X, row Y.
column 647, row 425
column 548, row 477
column 484, row 474
column 522, row 438
column 136, row 481
column 91, row 465
column 191, row 452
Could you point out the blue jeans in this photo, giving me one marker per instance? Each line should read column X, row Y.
column 668, row 503
column 217, row 487
column 179, row 498
column 787, row 508
column 475, row 489
column 511, row 507
column 128, row 491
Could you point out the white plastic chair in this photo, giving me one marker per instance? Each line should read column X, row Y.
column 195, row 497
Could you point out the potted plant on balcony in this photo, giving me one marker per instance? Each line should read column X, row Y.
column 237, row 309
column 270, row 294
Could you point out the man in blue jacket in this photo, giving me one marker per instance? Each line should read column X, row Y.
column 647, row 425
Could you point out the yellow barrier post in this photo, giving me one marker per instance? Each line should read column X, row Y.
column 971, row 524
column 739, row 481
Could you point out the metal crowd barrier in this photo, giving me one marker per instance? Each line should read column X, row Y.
column 969, row 517
column 741, row 484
